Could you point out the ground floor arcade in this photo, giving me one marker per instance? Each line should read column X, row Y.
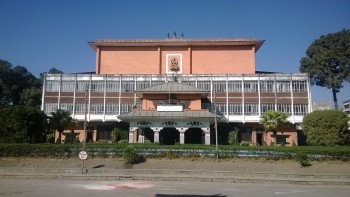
column 176, row 134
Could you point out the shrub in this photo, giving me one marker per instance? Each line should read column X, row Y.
column 233, row 136
column 326, row 127
column 302, row 159
column 123, row 142
column 131, row 157
column 119, row 134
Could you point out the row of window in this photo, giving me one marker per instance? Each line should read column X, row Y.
column 95, row 108
column 233, row 108
column 251, row 109
column 218, row 86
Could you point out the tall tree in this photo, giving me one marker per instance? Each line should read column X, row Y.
column 61, row 120
column 272, row 121
column 13, row 82
column 328, row 61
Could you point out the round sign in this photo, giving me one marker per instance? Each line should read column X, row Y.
column 83, row 155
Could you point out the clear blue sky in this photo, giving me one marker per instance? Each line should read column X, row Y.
column 41, row 34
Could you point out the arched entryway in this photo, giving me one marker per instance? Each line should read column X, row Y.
column 169, row 136
column 149, row 134
column 193, row 136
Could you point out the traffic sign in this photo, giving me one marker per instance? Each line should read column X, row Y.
column 83, row 155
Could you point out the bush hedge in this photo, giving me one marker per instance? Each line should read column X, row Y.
column 174, row 151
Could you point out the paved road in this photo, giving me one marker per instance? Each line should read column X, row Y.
column 60, row 187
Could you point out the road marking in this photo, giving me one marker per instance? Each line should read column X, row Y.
column 295, row 191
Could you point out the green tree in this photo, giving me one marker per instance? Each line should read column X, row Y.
column 31, row 96
column 22, row 124
column 325, row 127
column 13, row 82
column 272, row 121
column 61, row 120
column 328, row 61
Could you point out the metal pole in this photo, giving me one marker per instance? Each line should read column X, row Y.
column 216, row 127
column 85, row 114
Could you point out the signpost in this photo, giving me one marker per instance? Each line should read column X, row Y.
column 83, row 155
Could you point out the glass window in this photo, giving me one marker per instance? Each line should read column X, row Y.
column 299, row 86
column 205, row 85
column 82, row 86
column 97, row 86
column 142, row 85
column 68, row 86
column 285, row 108
column 67, row 107
column 50, row 107
column 52, row 86
column 128, row 86
column 221, row 107
column 112, row 86
column 235, row 109
column 112, row 108
column 250, row 86
column 300, row 109
column 251, row 109
column 189, row 83
column 154, row 83
column 282, row 86
column 96, row 108
column 219, row 86
column 80, row 108
column 267, row 86
column 264, row 107
column 126, row 107
column 234, row 86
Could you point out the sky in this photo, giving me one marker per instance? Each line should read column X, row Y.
column 42, row 34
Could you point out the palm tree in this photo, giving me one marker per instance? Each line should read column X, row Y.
column 61, row 120
column 273, row 120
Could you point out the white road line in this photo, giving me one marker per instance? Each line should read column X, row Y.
column 295, row 191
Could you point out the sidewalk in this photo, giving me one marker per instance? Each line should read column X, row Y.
column 173, row 175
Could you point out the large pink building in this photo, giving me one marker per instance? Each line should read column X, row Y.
column 172, row 90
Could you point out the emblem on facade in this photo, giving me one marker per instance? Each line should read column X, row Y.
column 195, row 124
column 144, row 123
column 169, row 123
column 174, row 64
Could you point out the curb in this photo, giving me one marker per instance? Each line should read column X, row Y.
column 176, row 175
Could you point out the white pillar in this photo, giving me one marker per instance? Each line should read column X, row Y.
column 182, row 131
column 131, row 134
column 156, row 131
column 207, row 135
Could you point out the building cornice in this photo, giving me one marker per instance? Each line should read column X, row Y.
column 178, row 42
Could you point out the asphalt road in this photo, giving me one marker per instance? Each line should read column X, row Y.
column 66, row 188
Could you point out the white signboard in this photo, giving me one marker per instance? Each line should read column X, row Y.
column 169, row 108
column 83, row 155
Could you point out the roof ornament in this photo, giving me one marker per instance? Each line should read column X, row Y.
column 175, row 35
column 182, row 35
column 168, row 36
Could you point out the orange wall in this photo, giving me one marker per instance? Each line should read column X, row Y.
column 192, row 59
column 128, row 60
column 224, row 59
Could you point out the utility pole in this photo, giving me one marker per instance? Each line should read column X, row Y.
column 85, row 117
column 216, row 127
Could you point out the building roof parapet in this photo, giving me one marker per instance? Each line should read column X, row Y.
column 177, row 42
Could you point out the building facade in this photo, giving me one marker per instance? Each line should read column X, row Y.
column 200, row 81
